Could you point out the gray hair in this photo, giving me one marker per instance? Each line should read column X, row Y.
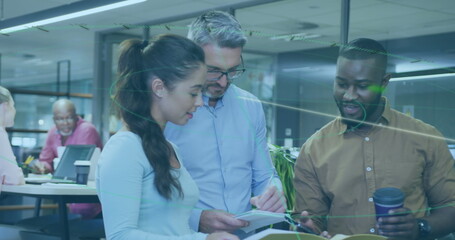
column 216, row 27
column 5, row 95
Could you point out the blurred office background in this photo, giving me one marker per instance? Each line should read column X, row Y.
column 290, row 59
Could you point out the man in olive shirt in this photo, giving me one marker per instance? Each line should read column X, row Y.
column 372, row 146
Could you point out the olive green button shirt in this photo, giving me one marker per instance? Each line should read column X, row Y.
column 338, row 171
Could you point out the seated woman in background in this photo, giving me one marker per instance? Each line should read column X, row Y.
column 10, row 173
column 144, row 189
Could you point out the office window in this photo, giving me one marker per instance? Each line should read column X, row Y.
column 259, row 79
column 36, row 82
column 419, row 37
column 303, row 40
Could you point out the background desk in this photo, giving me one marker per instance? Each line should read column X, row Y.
column 62, row 194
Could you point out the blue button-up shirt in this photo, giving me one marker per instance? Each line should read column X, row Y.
column 224, row 149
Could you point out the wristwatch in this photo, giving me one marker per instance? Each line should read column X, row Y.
column 424, row 228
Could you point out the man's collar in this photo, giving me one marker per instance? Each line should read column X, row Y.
column 343, row 127
column 206, row 99
column 220, row 101
column 387, row 114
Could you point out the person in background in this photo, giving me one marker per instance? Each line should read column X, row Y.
column 69, row 129
column 225, row 147
column 142, row 183
column 372, row 146
column 10, row 172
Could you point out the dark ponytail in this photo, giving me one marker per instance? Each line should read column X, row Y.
column 170, row 58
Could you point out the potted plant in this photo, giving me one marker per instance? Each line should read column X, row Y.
column 283, row 159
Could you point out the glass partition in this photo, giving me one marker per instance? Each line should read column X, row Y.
column 418, row 36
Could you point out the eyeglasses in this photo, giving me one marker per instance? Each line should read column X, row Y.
column 215, row 75
column 67, row 119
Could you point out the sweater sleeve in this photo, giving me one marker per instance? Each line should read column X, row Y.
column 10, row 173
column 119, row 184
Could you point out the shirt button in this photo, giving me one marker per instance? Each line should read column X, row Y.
column 370, row 199
column 372, row 230
column 369, row 169
column 367, row 139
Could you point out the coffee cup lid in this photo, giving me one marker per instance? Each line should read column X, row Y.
column 388, row 195
column 82, row 163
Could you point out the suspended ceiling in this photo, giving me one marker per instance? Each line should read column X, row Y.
column 30, row 57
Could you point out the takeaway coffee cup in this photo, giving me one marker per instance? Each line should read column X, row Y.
column 386, row 199
column 82, row 170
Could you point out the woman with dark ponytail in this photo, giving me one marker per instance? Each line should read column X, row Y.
column 144, row 189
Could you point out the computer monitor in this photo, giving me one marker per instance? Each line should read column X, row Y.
column 66, row 168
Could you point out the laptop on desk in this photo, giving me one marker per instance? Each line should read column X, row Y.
column 66, row 171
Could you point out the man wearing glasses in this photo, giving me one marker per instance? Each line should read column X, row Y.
column 224, row 147
column 69, row 129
